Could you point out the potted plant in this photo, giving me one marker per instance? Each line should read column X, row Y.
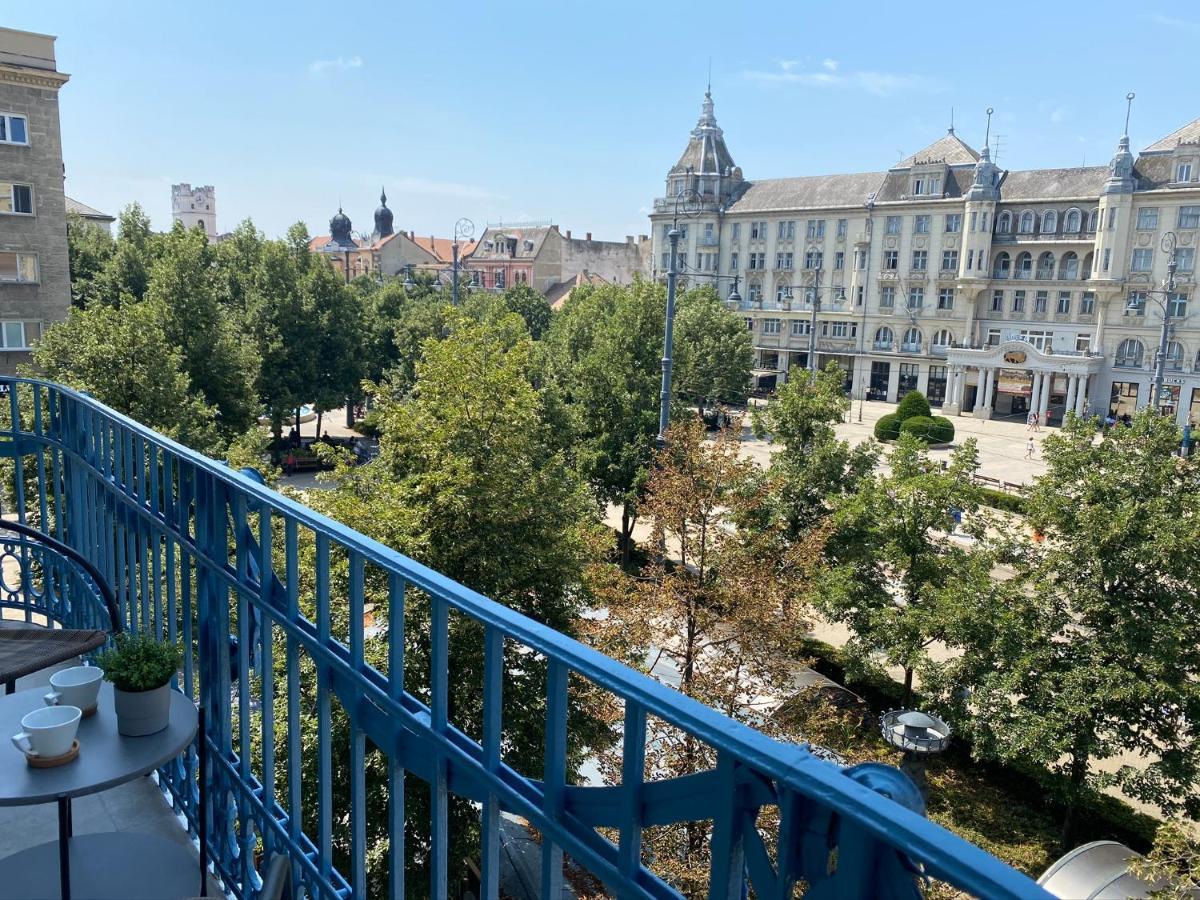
column 140, row 669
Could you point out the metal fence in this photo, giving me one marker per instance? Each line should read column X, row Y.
column 306, row 728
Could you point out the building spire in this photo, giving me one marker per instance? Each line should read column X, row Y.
column 1120, row 168
column 382, row 196
column 950, row 130
column 987, row 135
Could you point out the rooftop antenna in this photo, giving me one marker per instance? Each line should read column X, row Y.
column 951, row 131
column 710, row 75
column 988, row 134
column 1128, row 108
column 999, row 148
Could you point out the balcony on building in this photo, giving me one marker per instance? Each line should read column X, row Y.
column 208, row 556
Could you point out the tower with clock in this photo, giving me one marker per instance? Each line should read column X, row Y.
column 195, row 206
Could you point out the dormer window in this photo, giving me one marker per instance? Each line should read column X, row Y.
column 1183, row 171
column 918, row 186
column 528, row 246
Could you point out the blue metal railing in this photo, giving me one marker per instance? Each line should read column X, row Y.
column 210, row 557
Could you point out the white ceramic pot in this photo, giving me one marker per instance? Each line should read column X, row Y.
column 142, row 712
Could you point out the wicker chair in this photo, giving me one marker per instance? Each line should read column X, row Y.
column 25, row 647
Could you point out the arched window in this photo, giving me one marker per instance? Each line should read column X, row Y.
column 754, row 292
column 883, row 338
column 1049, row 222
column 1004, row 223
column 912, row 340
column 1045, row 266
column 1130, row 354
column 1024, row 266
column 1073, row 221
column 1089, row 262
column 1025, row 225
column 783, row 291
column 1002, row 266
column 1174, row 356
column 944, row 338
column 1068, row 268
column 1093, row 218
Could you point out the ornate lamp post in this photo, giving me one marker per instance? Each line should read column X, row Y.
column 814, row 297
column 1163, row 298
column 919, row 735
column 464, row 229
column 687, row 204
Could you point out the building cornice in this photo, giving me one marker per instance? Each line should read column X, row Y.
column 43, row 78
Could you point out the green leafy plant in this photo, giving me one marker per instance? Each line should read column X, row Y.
column 912, row 404
column 138, row 662
column 930, row 429
column 887, row 428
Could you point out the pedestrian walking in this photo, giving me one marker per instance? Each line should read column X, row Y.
column 1036, row 422
column 1029, row 448
column 1031, row 420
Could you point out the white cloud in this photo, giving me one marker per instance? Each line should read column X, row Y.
column 1057, row 114
column 1173, row 22
column 881, row 84
column 342, row 63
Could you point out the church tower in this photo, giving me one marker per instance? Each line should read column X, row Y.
column 383, row 217
column 1115, row 210
column 195, row 206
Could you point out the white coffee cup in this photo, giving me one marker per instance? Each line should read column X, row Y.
column 76, row 686
column 49, row 731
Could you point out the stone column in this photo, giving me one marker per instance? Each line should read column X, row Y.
column 1034, row 391
column 1072, row 388
column 989, row 383
column 1081, row 395
column 1047, row 387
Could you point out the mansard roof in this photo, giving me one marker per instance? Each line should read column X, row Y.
column 1188, row 134
column 810, row 192
column 949, row 149
column 1054, row 184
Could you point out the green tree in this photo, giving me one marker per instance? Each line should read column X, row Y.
column 603, row 354
column 898, row 580
column 470, row 482
column 214, row 356
column 530, row 306
column 1098, row 656
column 89, row 248
column 123, row 358
column 335, row 311
column 813, row 468
column 713, row 351
column 126, row 273
column 283, row 333
column 717, row 622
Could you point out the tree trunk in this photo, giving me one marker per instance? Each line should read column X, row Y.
column 297, row 420
column 1079, row 765
column 320, row 413
column 908, row 680
column 626, row 536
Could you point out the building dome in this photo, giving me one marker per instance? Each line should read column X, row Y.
column 383, row 217
column 339, row 229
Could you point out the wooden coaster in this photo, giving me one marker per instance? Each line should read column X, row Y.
column 51, row 762
column 90, row 711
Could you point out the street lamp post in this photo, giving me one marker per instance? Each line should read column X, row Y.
column 686, row 203
column 1163, row 298
column 464, row 229
column 814, row 294
column 664, row 406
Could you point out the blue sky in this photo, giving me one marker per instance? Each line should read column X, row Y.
column 573, row 112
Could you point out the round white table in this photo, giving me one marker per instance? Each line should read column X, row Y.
column 122, row 864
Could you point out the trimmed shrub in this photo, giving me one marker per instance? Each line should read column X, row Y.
column 942, row 431
column 1002, row 500
column 888, row 427
column 913, row 404
column 918, row 427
